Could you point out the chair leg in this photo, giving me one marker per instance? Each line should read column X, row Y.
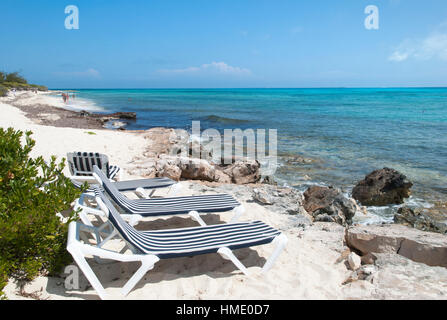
column 196, row 217
column 146, row 264
column 88, row 272
column 174, row 190
column 227, row 254
column 132, row 219
column 238, row 211
column 280, row 242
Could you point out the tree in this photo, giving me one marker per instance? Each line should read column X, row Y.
column 15, row 77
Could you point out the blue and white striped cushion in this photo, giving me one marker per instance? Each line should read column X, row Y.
column 167, row 206
column 113, row 171
column 81, row 164
column 191, row 241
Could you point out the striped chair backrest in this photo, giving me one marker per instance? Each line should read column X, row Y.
column 129, row 233
column 110, row 189
column 81, row 163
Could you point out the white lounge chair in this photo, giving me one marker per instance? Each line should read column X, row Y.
column 148, row 247
column 137, row 209
column 81, row 165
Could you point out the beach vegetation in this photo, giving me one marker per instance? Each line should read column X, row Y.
column 15, row 77
column 33, row 193
column 3, row 91
column 14, row 80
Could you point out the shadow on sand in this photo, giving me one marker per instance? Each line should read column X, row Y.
column 113, row 274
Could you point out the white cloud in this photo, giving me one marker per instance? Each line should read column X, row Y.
column 89, row 73
column 433, row 46
column 296, row 30
column 213, row 67
column 399, row 56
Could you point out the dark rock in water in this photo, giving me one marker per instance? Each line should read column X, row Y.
column 299, row 160
column 107, row 120
column 382, row 187
column 329, row 205
column 432, row 219
column 112, row 116
column 122, row 115
column 84, row 113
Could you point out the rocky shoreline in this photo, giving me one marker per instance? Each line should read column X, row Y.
column 46, row 113
column 394, row 261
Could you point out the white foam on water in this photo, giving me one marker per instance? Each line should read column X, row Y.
column 79, row 104
column 376, row 215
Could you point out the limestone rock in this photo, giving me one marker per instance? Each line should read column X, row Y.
column 244, row 172
column 354, row 261
column 262, row 196
column 425, row 247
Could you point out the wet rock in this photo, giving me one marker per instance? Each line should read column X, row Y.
column 328, row 204
column 121, row 115
column 382, row 187
column 425, row 247
column 299, row 160
column 117, row 124
column 424, row 219
column 84, row 113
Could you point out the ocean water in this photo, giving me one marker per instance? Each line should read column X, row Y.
column 345, row 132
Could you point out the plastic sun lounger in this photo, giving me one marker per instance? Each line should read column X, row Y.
column 81, row 165
column 139, row 186
column 148, row 247
column 137, row 209
column 81, row 169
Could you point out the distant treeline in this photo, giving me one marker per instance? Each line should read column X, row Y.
column 14, row 80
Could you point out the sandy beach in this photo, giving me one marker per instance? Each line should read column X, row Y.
column 313, row 265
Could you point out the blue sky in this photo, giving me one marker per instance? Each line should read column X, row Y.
column 227, row 43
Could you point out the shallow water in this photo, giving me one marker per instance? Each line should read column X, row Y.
column 348, row 132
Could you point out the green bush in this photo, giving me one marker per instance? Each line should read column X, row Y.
column 38, row 87
column 15, row 81
column 3, row 91
column 32, row 238
column 15, row 77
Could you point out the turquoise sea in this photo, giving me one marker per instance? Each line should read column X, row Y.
column 347, row 132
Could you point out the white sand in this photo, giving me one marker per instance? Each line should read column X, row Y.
column 307, row 269
column 120, row 146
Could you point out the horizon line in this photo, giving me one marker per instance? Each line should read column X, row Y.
column 245, row 88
